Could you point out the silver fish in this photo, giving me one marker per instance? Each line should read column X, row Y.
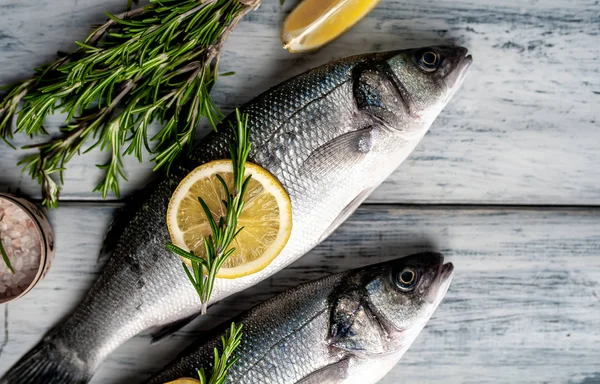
column 349, row 328
column 330, row 135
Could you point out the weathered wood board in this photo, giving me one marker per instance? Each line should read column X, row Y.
column 523, row 129
column 524, row 306
column 525, row 303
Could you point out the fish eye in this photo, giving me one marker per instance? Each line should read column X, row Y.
column 429, row 61
column 406, row 279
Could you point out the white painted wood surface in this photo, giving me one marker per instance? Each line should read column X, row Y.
column 523, row 129
column 525, row 304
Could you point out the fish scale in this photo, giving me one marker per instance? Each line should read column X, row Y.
column 318, row 133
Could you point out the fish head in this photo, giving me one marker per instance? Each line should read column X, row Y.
column 421, row 82
column 381, row 309
column 396, row 96
column 404, row 293
column 378, row 311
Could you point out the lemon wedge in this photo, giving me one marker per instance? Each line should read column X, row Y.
column 266, row 216
column 314, row 23
column 184, row 380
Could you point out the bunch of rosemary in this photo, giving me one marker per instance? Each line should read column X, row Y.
column 154, row 63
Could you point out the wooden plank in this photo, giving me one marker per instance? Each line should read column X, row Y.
column 524, row 305
column 524, row 128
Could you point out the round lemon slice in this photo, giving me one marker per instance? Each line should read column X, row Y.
column 266, row 216
column 184, row 380
column 314, row 23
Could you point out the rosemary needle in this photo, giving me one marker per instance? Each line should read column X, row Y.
column 154, row 63
column 224, row 231
column 5, row 257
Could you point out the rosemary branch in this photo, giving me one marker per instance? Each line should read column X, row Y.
column 223, row 362
column 154, row 63
column 224, row 230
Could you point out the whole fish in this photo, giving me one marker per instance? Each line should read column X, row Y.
column 351, row 327
column 330, row 135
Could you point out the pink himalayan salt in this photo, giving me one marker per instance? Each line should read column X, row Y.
column 22, row 243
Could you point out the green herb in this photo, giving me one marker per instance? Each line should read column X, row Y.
column 224, row 230
column 155, row 63
column 222, row 363
column 5, row 257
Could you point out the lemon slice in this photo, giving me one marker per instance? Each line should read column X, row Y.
column 266, row 216
column 314, row 23
column 184, row 380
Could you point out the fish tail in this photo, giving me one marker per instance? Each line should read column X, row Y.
column 49, row 362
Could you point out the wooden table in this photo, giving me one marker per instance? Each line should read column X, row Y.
column 507, row 184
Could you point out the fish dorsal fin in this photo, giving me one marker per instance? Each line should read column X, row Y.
column 167, row 330
column 354, row 328
column 335, row 373
column 340, row 153
column 346, row 212
column 112, row 236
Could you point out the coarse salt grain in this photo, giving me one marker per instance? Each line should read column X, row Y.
column 22, row 242
column 18, row 264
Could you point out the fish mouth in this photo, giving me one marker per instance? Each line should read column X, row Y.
column 440, row 286
column 455, row 79
column 465, row 60
column 463, row 66
column 446, row 271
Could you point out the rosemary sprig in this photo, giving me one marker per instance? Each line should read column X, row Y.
column 154, row 63
column 224, row 230
column 222, row 363
column 5, row 257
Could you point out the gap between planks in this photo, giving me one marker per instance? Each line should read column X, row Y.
column 424, row 206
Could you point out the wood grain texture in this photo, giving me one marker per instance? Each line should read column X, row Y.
column 525, row 303
column 524, row 306
column 523, row 130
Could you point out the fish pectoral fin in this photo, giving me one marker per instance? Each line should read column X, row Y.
column 340, row 153
column 111, row 239
column 168, row 329
column 335, row 373
column 346, row 212
column 354, row 328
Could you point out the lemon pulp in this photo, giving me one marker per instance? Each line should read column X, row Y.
column 314, row 23
column 184, row 380
column 266, row 217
